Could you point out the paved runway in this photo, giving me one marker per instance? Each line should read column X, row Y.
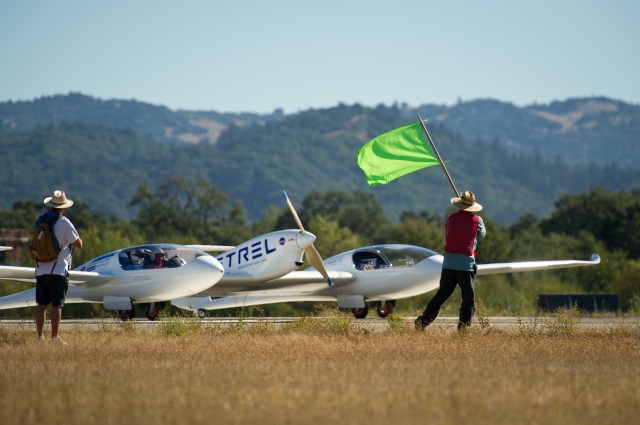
column 372, row 324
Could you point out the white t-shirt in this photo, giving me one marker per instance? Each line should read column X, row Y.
column 66, row 234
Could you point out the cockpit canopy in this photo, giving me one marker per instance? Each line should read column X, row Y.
column 156, row 256
column 385, row 256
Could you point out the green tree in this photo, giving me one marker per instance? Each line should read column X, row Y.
column 186, row 211
column 612, row 217
column 359, row 212
column 268, row 222
column 415, row 229
column 331, row 238
column 22, row 215
column 100, row 239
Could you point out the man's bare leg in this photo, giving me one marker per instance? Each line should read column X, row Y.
column 41, row 313
column 56, row 315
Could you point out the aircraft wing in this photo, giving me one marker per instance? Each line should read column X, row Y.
column 523, row 266
column 238, row 301
column 313, row 276
column 17, row 274
column 296, row 286
column 76, row 278
column 21, row 299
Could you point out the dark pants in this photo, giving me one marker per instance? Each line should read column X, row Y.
column 51, row 289
column 448, row 281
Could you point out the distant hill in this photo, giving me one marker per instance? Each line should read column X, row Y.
column 316, row 149
column 581, row 130
column 158, row 122
column 311, row 150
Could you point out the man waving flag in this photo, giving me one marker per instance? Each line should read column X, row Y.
column 396, row 153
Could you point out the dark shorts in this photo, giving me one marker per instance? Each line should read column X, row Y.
column 51, row 289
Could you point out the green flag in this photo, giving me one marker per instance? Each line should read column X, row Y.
column 394, row 154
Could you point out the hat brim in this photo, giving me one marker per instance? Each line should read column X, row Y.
column 457, row 202
column 48, row 203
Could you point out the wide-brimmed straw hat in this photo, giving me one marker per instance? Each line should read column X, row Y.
column 58, row 200
column 467, row 202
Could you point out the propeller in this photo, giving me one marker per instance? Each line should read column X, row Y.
column 312, row 254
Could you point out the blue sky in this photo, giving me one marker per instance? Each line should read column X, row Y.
column 257, row 56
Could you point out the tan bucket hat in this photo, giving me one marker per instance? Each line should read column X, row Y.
column 467, row 202
column 58, row 200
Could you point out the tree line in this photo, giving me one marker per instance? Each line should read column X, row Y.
column 317, row 148
column 194, row 211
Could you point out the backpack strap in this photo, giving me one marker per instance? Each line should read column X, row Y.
column 53, row 219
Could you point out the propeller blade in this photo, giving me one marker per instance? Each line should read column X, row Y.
column 293, row 212
column 314, row 258
column 312, row 254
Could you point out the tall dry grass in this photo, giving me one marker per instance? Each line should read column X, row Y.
column 312, row 372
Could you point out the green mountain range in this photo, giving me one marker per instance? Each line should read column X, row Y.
column 516, row 159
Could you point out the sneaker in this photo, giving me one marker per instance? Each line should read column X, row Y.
column 59, row 340
column 419, row 323
column 463, row 328
column 41, row 338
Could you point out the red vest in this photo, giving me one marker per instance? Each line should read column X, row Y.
column 461, row 233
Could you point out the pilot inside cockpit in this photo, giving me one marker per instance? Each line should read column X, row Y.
column 157, row 258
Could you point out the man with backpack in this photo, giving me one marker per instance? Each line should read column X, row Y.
column 52, row 247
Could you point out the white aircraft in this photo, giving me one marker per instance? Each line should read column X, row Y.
column 263, row 271
column 122, row 279
column 381, row 274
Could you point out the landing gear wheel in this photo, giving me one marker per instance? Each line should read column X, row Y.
column 127, row 314
column 360, row 313
column 202, row 313
column 385, row 308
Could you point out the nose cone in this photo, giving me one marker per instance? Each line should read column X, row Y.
column 304, row 240
column 207, row 270
column 213, row 265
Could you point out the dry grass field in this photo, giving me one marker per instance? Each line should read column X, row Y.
column 312, row 372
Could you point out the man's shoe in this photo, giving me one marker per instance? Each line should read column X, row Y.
column 59, row 340
column 420, row 323
column 41, row 338
column 463, row 328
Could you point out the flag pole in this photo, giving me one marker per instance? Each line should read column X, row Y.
column 435, row 150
